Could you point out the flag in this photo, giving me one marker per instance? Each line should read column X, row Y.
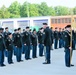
column 73, row 23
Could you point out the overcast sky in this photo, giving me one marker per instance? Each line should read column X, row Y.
column 68, row 3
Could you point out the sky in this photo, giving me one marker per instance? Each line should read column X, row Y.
column 67, row 3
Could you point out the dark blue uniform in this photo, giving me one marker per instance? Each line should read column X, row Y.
column 34, row 44
column 47, row 44
column 2, row 48
column 67, row 39
column 9, row 47
column 60, row 39
column 56, row 39
column 18, row 45
column 41, row 43
column 27, row 42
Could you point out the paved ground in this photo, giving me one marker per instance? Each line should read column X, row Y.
column 35, row 66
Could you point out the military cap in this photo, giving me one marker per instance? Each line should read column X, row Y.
column 27, row 27
column 68, row 26
column 6, row 28
column 19, row 28
column 34, row 29
column 56, row 28
column 15, row 29
column 41, row 28
column 9, row 33
column 44, row 23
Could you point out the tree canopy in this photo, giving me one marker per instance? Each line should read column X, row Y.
column 16, row 10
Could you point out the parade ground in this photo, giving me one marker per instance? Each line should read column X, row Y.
column 35, row 66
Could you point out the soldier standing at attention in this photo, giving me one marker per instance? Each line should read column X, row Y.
column 27, row 43
column 60, row 38
column 2, row 48
column 41, row 42
column 47, row 42
column 9, row 48
column 68, row 48
column 56, row 38
column 18, row 45
column 34, row 44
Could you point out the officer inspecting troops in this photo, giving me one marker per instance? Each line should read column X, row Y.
column 68, row 48
column 47, row 43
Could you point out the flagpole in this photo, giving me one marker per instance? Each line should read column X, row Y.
column 71, row 36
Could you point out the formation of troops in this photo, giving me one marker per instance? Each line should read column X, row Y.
column 19, row 43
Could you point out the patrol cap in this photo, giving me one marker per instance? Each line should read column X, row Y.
column 9, row 34
column 34, row 29
column 19, row 28
column 68, row 26
column 15, row 29
column 6, row 28
column 41, row 28
column 27, row 27
column 56, row 28
column 44, row 23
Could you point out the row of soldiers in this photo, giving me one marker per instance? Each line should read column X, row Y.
column 19, row 43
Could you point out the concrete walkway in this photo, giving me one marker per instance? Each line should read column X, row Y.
column 35, row 66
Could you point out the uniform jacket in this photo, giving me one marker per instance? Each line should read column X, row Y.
column 47, row 37
column 9, row 44
column 2, row 42
column 26, row 38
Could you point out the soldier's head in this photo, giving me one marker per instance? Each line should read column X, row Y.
column 15, row 30
column 60, row 29
column 19, row 30
column 23, row 30
column 68, row 27
column 27, row 29
column 41, row 29
column 56, row 29
column 10, row 35
column 45, row 25
column 1, row 30
column 34, row 31
column 6, row 29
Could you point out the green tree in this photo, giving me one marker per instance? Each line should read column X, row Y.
column 4, row 13
column 14, row 9
column 74, row 10
column 33, row 10
column 24, row 9
column 60, row 10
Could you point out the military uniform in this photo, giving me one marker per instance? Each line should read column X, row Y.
column 60, row 39
column 27, row 42
column 2, row 48
column 68, row 51
column 41, row 43
column 55, row 39
column 18, row 45
column 9, row 47
column 47, row 44
column 34, row 44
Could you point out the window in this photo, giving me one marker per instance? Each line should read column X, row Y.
column 69, row 20
column 63, row 20
column 66, row 20
column 55, row 20
column 52, row 21
column 58, row 20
